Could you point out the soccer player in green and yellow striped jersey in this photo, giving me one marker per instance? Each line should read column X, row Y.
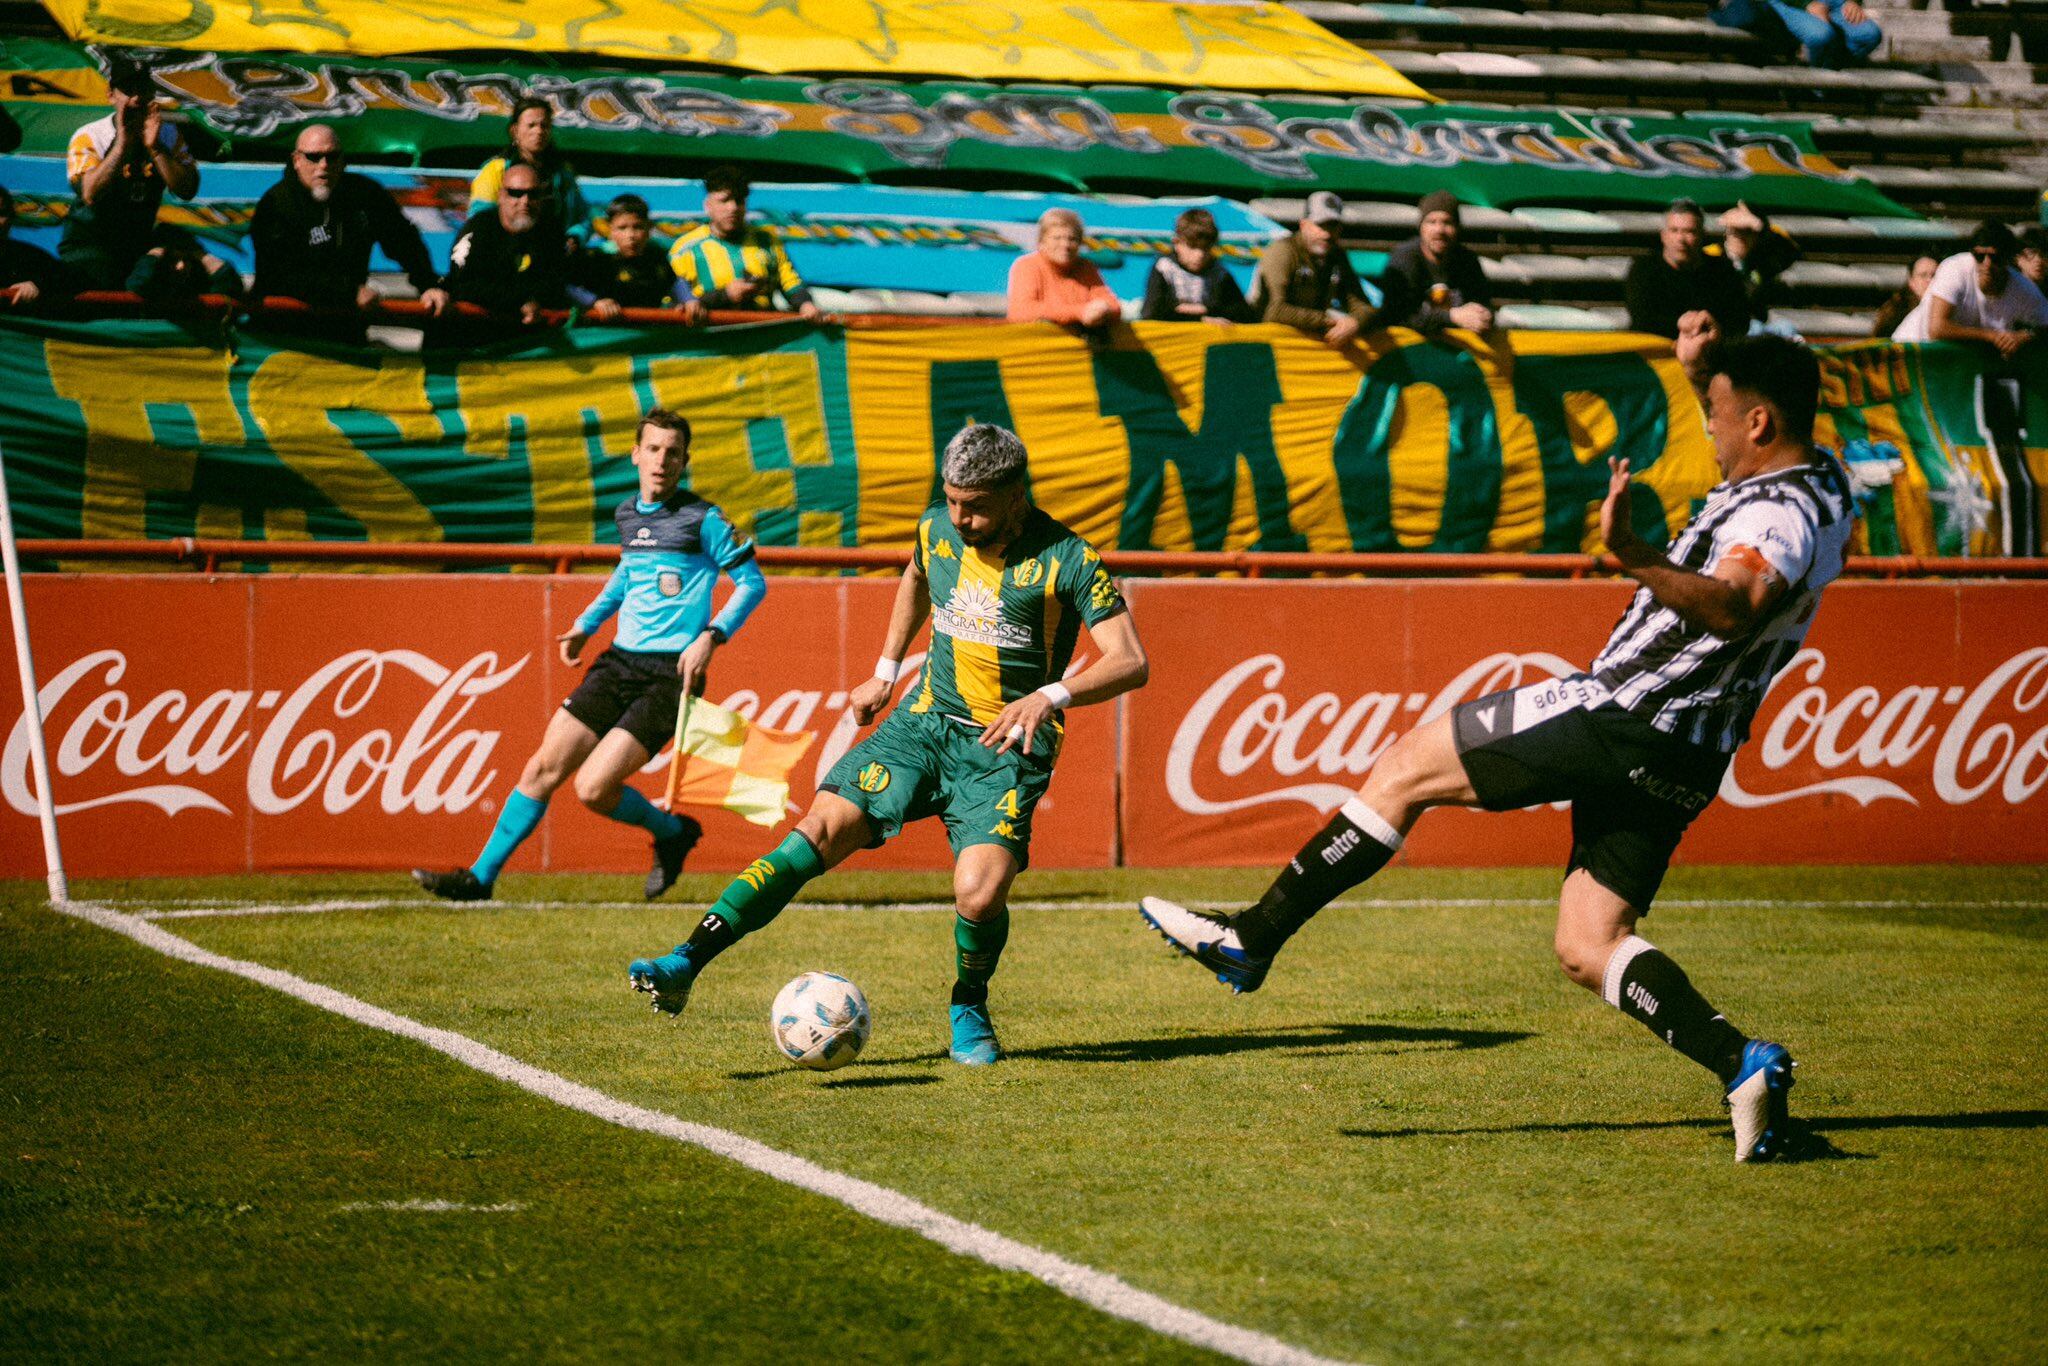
column 1008, row 590
column 729, row 263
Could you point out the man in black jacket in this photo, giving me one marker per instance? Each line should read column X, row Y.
column 503, row 260
column 1680, row 278
column 29, row 276
column 313, row 232
column 1434, row 281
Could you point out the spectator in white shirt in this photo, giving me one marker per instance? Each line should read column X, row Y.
column 1978, row 296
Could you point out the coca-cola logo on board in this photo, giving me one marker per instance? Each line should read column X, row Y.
column 1246, row 741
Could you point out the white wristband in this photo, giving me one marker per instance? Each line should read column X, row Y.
column 1057, row 694
column 886, row 669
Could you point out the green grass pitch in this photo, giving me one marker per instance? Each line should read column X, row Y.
column 1417, row 1143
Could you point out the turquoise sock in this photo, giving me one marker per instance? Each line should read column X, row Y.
column 518, row 818
column 634, row 809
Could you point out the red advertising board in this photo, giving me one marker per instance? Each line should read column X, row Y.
column 376, row 721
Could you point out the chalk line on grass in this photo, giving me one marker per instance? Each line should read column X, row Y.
column 430, row 1207
column 1097, row 1289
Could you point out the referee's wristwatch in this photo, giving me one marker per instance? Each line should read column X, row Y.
column 718, row 637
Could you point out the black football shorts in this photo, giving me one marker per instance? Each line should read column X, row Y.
column 631, row 691
column 1633, row 789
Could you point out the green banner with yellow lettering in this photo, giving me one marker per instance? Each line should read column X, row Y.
column 1171, row 437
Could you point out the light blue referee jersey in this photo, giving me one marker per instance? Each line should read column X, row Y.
column 670, row 555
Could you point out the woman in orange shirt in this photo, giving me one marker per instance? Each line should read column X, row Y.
column 1053, row 284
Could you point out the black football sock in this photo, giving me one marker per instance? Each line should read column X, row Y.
column 1644, row 984
column 713, row 936
column 1355, row 844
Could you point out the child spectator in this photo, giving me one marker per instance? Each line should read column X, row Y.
column 728, row 263
column 1434, row 281
column 629, row 275
column 120, row 167
column 1906, row 298
column 1054, row 284
column 530, row 141
column 28, row 275
column 1189, row 283
column 1306, row 281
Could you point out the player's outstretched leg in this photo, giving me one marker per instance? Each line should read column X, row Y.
column 1598, row 949
column 749, row 902
column 1421, row 770
column 981, row 927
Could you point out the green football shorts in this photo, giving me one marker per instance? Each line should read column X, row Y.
column 920, row 764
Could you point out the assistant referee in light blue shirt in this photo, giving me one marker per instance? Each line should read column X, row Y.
column 672, row 547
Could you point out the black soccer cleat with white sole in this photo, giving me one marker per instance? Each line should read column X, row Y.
column 669, row 854
column 456, row 884
column 1209, row 940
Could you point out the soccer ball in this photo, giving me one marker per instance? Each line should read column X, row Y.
column 820, row 1021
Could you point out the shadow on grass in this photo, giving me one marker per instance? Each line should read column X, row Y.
column 870, row 1083
column 1308, row 1040
column 1808, row 1139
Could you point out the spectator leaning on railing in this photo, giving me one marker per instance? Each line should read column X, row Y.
column 729, row 263
column 510, row 259
column 1189, row 284
column 531, row 142
column 1055, row 283
column 1830, row 33
column 1306, row 281
column 29, row 276
column 1433, row 280
column 120, row 167
column 177, row 270
column 313, row 232
column 628, row 275
column 1679, row 278
column 1976, row 295
column 1906, row 298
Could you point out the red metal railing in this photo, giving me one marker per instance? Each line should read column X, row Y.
column 116, row 303
column 209, row 556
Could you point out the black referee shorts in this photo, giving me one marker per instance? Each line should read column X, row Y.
column 1633, row 789
column 630, row 691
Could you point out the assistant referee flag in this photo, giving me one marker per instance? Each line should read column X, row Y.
column 723, row 759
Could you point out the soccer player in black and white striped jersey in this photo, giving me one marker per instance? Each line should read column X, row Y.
column 1638, row 744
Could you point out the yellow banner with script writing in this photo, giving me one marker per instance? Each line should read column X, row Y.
column 1256, row 47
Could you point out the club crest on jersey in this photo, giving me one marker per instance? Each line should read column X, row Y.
column 1027, row 574
column 873, row 778
column 975, row 614
column 670, row 582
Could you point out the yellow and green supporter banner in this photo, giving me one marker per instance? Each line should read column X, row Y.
column 1240, row 46
column 446, row 113
column 1174, row 437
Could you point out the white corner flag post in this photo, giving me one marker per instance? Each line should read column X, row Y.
column 31, row 705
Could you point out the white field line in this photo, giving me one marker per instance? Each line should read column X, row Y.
column 431, row 1207
column 198, row 909
column 1097, row 1289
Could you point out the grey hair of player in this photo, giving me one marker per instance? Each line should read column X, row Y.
column 983, row 456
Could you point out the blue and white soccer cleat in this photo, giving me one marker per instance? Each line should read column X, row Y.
column 1209, row 940
column 974, row 1037
column 668, row 978
column 1756, row 1101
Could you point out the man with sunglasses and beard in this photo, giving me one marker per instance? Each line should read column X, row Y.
column 1978, row 296
column 508, row 258
column 313, row 233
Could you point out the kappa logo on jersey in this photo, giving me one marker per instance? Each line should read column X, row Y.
column 874, row 778
column 1027, row 574
column 942, row 550
column 670, row 582
column 975, row 614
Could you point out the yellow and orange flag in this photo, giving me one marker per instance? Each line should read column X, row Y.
column 723, row 759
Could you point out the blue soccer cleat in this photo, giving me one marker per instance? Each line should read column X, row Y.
column 974, row 1037
column 668, row 978
column 1209, row 940
column 1756, row 1101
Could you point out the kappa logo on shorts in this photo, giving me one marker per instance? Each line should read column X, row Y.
column 670, row 582
column 873, row 778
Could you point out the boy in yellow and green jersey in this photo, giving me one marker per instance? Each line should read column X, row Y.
column 1008, row 590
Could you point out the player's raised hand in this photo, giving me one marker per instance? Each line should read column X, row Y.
column 1616, row 528
column 868, row 699
column 570, row 643
column 1018, row 724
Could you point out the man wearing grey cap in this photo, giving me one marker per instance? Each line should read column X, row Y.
column 1306, row 280
column 1433, row 280
column 1008, row 590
